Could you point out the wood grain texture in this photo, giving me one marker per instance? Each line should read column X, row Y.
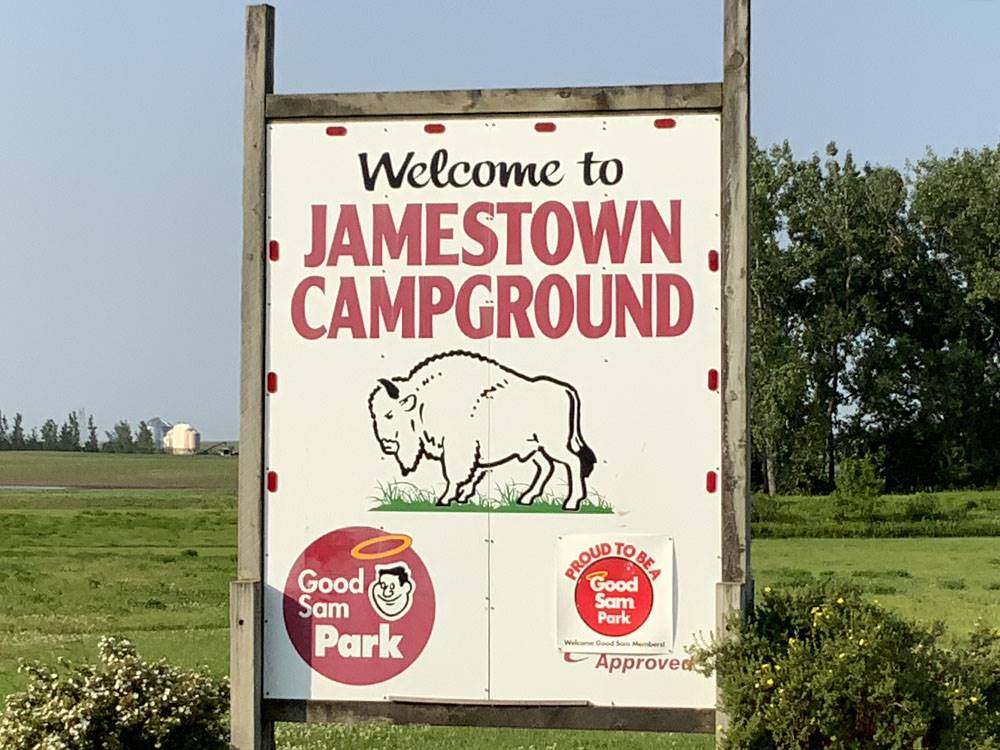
column 734, row 593
column 735, row 294
column 693, row 96
column 245, row 659
column 249, row 731
column 259, row 78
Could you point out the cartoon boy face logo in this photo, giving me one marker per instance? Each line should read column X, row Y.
column 391, row 593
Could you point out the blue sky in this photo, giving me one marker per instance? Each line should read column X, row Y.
column 120, row 146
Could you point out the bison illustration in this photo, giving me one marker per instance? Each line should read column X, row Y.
column 472, row 414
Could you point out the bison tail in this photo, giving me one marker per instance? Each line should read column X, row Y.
column 587, row 460
column 576, row 444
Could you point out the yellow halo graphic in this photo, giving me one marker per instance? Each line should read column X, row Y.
column 403, row 544
column 602, row 574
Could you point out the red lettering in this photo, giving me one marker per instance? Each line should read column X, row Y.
column 299, row 321
column 608, row 230
column 436, row 233
column 685, row 304
column 652, row 225
column 464, row 304
column 385, row 234
column 318, row 254
column 347, row 311
column 431, row 304
column 481, row 233
column 384, row 308
column 514, row 308
column 515, row 214
column 584, row 306
column 540, row 233
column 347, row 238
column 626, row 301
column 564, row 306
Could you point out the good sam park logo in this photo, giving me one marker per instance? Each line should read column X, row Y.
column 359, row 605
column 615, row 594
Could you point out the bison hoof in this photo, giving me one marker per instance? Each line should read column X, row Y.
column 443, row 502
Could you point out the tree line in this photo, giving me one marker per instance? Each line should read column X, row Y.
column 70, row 436
column 875, row 305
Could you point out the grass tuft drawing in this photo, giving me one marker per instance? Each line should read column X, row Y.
column 407, row 497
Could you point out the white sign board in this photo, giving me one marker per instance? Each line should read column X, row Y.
column 493, row 419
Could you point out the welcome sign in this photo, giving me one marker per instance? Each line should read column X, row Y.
column 493, row 425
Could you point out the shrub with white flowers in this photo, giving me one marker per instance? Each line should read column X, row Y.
column 121, row 703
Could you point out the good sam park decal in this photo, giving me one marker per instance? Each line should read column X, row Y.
column 359, row 605
column 505, row 332
column 615, row 594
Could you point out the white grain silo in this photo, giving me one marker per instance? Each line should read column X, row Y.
column 182, row 440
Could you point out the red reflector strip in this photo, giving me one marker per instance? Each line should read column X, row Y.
column 272, row 481
column 272, row 382
column 336, row 130
column 713, row 379
column 273, row 250
column 665, row 123
column 711, row 481
column 713, row 260
column 433, row 127
column 545, row 127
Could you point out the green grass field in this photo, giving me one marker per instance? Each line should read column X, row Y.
column 955, row 580
column 155, row 566
column 941, row 514
column 117, row 470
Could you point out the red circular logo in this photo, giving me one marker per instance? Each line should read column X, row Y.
column 614, row 596
column 359, row 605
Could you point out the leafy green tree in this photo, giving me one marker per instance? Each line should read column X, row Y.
column 33, row 442
column 873, row 326
column 69, row 434
column 924, row 385
column 17, row 440
column 954, row 211
column 50, row 435
column 4, row 436
column 120, row 440
column 144, row 439
column 779, row 386
column 92, row 445
column 843, row 230
column 955, row 203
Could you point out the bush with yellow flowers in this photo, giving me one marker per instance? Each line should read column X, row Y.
column 819, row 666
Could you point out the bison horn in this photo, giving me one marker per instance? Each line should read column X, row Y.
column 390, row 388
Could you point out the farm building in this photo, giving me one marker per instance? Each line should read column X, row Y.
column 159, row 428
column 182, row 440
column 220, row 448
